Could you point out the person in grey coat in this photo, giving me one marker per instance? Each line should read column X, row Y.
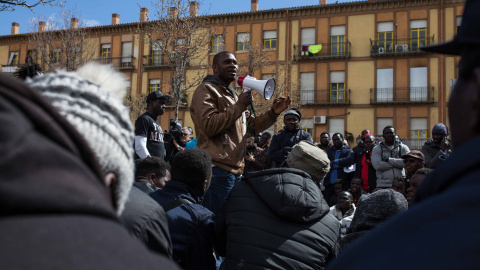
column 387, row 158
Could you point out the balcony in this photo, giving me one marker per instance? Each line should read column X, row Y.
column 9, row 68
column 326, row 51
column 401, row 46
column 401, row 95
column 154, row 62
column 122, row 63
column 325, row 97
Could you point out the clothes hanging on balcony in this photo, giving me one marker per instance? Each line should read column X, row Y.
column 314, row 49
column 304, row 53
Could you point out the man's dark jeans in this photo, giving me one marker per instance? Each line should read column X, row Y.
column 222, row 183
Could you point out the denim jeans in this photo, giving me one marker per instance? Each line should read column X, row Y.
column 222, row 183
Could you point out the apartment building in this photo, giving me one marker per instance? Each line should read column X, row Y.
column 349, row 66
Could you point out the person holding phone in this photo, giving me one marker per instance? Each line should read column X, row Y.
column 438, row 148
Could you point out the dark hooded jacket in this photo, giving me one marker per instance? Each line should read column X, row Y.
column 282, row 144
column 56, row 211
column 371, row 211
column 277, row 219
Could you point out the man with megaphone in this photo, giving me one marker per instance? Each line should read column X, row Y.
column 221, row 124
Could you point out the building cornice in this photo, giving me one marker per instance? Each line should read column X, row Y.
column 292, row 12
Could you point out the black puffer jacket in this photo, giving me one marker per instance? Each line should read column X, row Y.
column 277, row 219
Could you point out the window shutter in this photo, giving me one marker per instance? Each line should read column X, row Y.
column 338, row 30
column 385, row 27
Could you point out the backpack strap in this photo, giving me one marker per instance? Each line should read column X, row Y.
column 173, row 204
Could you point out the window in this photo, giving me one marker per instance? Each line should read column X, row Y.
column 156, row 54
column 154, row 85
column 418, row 34
column 418, row 132
column 337, row 40
column 459, row 22
column 418, row 128
column 385, row 36
column 307, row 38
column 267, row 76
column 307, row 82
column 242, row 41
column 217, row 44
column 32, row 56
column 337, row 86
column 13, row 59
column 77, row 54
column 106, row 53
column 336, row 125
column 418, row 84
column 382, row 123
column 384, row 85
column 180, row 44
column 56, row 56
column 126, row 54
column 270, row 39
column 307, row 125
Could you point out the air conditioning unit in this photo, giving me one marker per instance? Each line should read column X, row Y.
column 319, row 119
column 401, row 48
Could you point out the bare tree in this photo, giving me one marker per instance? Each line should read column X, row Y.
column 257, row 59
column 63, row 41
column 9, row 5
column 183, row 39
column 137, row 105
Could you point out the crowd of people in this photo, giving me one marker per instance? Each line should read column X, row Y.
column 83, row 188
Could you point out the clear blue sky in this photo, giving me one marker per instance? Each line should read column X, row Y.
column 99, row 12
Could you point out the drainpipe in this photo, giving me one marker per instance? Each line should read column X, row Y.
column 441, row 94
column 289, row 44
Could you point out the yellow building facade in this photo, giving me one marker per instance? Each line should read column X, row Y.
column 349, row 66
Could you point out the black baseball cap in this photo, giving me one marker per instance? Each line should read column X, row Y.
column 467, row 36
column 157, row 95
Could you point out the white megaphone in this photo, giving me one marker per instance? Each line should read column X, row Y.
column 265, row 87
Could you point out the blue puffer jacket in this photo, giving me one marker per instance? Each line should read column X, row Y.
column 191, row 226
column 282, row 144
column 277, row 219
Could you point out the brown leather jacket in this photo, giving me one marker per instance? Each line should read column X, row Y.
column 220, row 124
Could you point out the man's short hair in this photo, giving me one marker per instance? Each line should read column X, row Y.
column 346, row 194
column 337, row 134
column 144, row 167
column 267, row 133
column 323, row 133
column 424, row 171
column 217, row 57
column 191, row 166
column 388, row 127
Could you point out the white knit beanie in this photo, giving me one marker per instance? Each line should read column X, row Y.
column 91, row 100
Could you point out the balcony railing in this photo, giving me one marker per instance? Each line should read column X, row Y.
column 153, row 62
column 401, row 95
column 400, row 46
column 414, row 143
column 327, row 51
column 325, row 97
column 124, row 62
column 9, row 68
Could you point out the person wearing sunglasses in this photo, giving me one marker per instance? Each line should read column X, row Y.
column 413, row 161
